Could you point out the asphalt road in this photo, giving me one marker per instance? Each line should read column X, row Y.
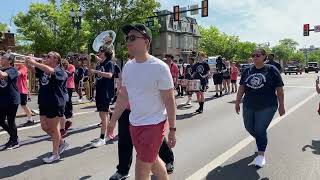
column 212, row 145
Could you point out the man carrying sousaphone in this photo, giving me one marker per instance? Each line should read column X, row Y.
column 104, row 72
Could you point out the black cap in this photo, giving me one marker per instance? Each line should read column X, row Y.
column 141, row 28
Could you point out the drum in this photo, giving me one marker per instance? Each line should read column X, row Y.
column 194, row 85
column 184, row 82
column 179, row 81
column 116, row 82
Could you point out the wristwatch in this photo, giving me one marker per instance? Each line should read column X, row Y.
column 173, row 129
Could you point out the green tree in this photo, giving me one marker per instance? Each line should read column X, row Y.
column 297, row 56
column 244, row 50
column 104, row 15
column 49, row 28
column 285, row 49
column 212, row 42
column 3, row 27
column 314, row 56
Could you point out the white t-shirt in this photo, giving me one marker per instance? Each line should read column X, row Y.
column 143, row 82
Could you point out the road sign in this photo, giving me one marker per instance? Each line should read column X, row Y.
column 317, row 28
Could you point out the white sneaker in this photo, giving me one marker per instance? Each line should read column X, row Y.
column 260, row 161
column 63, row 147
column 52, row 158
column 99, row 143
column 188, row 103
column 80, row 100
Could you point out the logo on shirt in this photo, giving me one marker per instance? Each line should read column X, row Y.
column 256, row 81
column 99, row 68
column 200, row 69
column 44, row 79
column 3, row 83
column 189, row 70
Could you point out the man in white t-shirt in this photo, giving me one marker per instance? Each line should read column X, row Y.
column 148, row 86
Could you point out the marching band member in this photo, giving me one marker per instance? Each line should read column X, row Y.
column 104, row 90
column 9, row 99
column 51, row 100
column 188, row 76
column 201, row 71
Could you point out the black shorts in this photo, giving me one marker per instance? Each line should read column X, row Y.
column 52, row 112
column 233, row 81
column 23, row 99
column 226, row 77
column 217, row 79
column 103, row 106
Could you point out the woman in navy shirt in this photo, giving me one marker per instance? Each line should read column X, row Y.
column 262, row 87
column 9, row 99
column 52, row 100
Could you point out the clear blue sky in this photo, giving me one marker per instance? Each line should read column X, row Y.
column 251, row 20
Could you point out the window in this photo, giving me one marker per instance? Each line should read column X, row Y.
column 169, row 40
column 156, row 43
column 177, row 41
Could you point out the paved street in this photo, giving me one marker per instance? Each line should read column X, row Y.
column 213, row 145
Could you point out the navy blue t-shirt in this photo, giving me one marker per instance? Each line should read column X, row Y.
column 260, row 86
column 9, row 93
column 104, row 86
column 78, row 75
column 117, row 70
column 189, row 72
column 201, row 69
column 52, row 91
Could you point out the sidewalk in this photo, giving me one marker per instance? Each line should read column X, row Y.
column 293, row 152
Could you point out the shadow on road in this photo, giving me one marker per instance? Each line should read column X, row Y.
column 14, row 170
column 235, row 171
column 47, row 138
column 315, row 147
column 185, row 116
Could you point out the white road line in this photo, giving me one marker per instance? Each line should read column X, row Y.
column 203, row 172
column 37, row 125
column 304, row 87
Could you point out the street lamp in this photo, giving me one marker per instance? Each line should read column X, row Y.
column 76, row 21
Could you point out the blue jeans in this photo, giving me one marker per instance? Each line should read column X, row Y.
column 256, row 123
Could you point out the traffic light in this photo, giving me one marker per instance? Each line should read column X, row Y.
column 176, row 13
column 306, row 29
column 204, row 8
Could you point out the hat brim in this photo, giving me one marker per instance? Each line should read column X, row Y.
column 127, row 28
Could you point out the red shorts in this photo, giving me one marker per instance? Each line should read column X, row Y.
column 147, row 140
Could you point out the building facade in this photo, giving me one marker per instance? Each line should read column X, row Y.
column 178, row 38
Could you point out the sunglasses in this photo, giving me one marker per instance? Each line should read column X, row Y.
column 132, row 38
column 256, row 55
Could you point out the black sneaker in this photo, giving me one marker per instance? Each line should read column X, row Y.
column 28, row 123
column 199, row 110
column 12, row 145
column 118, row 176
column 170, row 168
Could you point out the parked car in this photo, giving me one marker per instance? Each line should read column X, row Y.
column 311, row 66
column 293, row 69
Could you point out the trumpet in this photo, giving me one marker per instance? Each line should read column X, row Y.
column 22, row 60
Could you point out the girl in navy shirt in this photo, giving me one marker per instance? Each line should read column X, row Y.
column 9, row 99
column 262, row 87
column 52, row 100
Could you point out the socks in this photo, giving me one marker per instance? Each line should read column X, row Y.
column 102, row 136
column 201, row 105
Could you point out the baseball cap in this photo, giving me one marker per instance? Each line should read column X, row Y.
column 141, row 28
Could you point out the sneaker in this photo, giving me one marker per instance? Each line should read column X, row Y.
column 35, row 111
column 28, row 123
column 118, row 176
column 52, row 158
column 99, row 143
column 170, row 168
column 199, row 110
column 63, row 147
column 260, row 161
column 11, row 145
column 80, row 100
column 68, row 125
